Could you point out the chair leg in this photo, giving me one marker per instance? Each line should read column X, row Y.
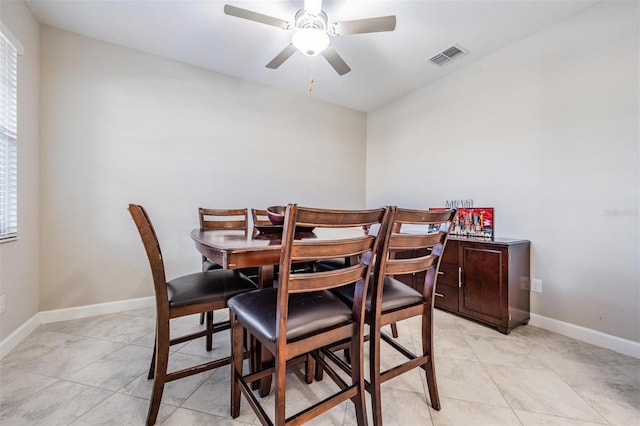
column 347, row 355
column 202, row 318
column 266, row 359
column 394, row 330
column 430, row 368
column 374, row 374
column 237, row 337
column 209, row 337
column 309, row 368
column 160, row 375
column 357, row 377
column 281, row 372
column 319, row 370
column 152, row 368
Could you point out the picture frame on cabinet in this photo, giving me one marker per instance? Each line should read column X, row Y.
column 476, row 222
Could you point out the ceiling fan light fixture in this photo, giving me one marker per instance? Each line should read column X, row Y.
column 310, row 41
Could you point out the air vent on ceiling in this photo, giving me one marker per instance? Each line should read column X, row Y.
column 447, row 55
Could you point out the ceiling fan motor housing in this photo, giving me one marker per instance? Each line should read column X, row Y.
column 305, row 19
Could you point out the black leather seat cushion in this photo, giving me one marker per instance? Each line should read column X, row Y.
column 330, row 264
column 208, row 265
column 209, row 286
column 395, row 294
column 308, row 314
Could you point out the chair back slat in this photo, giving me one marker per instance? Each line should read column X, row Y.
column 415, row 241
column 307, row 251
column 410, row 266
column 226, row 219
column 301, row 282
column 311, row 217
column 426, row 217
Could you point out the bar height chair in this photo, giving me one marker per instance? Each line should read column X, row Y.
column 421, row 235
column 228, row 219
column 190, row 294
column 301, row 315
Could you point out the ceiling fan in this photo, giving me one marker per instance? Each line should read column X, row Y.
column 312, row 31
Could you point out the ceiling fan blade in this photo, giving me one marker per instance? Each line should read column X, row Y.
column 255, row 16
column 281, row 57
column 370, row 25
column 335, row 61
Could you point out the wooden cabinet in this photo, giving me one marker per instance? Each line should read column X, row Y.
column 487, row 281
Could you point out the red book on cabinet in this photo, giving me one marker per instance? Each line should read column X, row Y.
column 476, row 222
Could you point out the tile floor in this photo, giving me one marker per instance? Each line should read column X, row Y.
column 92, row 371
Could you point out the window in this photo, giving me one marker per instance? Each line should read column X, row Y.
column 9, row 49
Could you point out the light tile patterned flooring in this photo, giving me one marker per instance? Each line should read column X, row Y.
column 92, row 371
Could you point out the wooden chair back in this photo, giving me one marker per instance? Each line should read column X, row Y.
column 229, row 219
column 154, row 254
column 296, row 251
column 423, row 234
column 260, row 217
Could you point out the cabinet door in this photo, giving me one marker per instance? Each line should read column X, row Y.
column 483, row 291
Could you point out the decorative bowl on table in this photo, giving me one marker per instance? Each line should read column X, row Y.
column 276, row 214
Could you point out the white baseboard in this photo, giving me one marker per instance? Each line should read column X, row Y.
column 45, row 317
column 618, row 344
column 18, row 335
column 93, row 310
column 624, row 346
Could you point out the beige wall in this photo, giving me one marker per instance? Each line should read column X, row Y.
column 547, row 132
column 19, row 260
column 120, row 126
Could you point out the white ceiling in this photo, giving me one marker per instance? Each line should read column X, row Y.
column 384, row 66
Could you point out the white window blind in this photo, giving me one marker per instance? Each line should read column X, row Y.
column 9, row 49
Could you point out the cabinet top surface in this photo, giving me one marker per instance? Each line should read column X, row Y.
column 497, row 241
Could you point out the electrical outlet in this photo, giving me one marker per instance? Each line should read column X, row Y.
column 536, row 285
column 2, row 302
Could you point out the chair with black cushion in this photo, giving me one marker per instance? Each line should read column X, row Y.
column 190, row 294
column 227, row 219
column 301, row 315
column 424, row 234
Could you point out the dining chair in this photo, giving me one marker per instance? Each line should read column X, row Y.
column 301, row 315
column 196, row 293
column 421, row 236
column 227, row 219
column 215, row 219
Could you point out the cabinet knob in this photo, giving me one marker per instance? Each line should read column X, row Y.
column 438, row 294
column 440, row 273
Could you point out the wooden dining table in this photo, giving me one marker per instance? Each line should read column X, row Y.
column 239, row 249
column 234, row 249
